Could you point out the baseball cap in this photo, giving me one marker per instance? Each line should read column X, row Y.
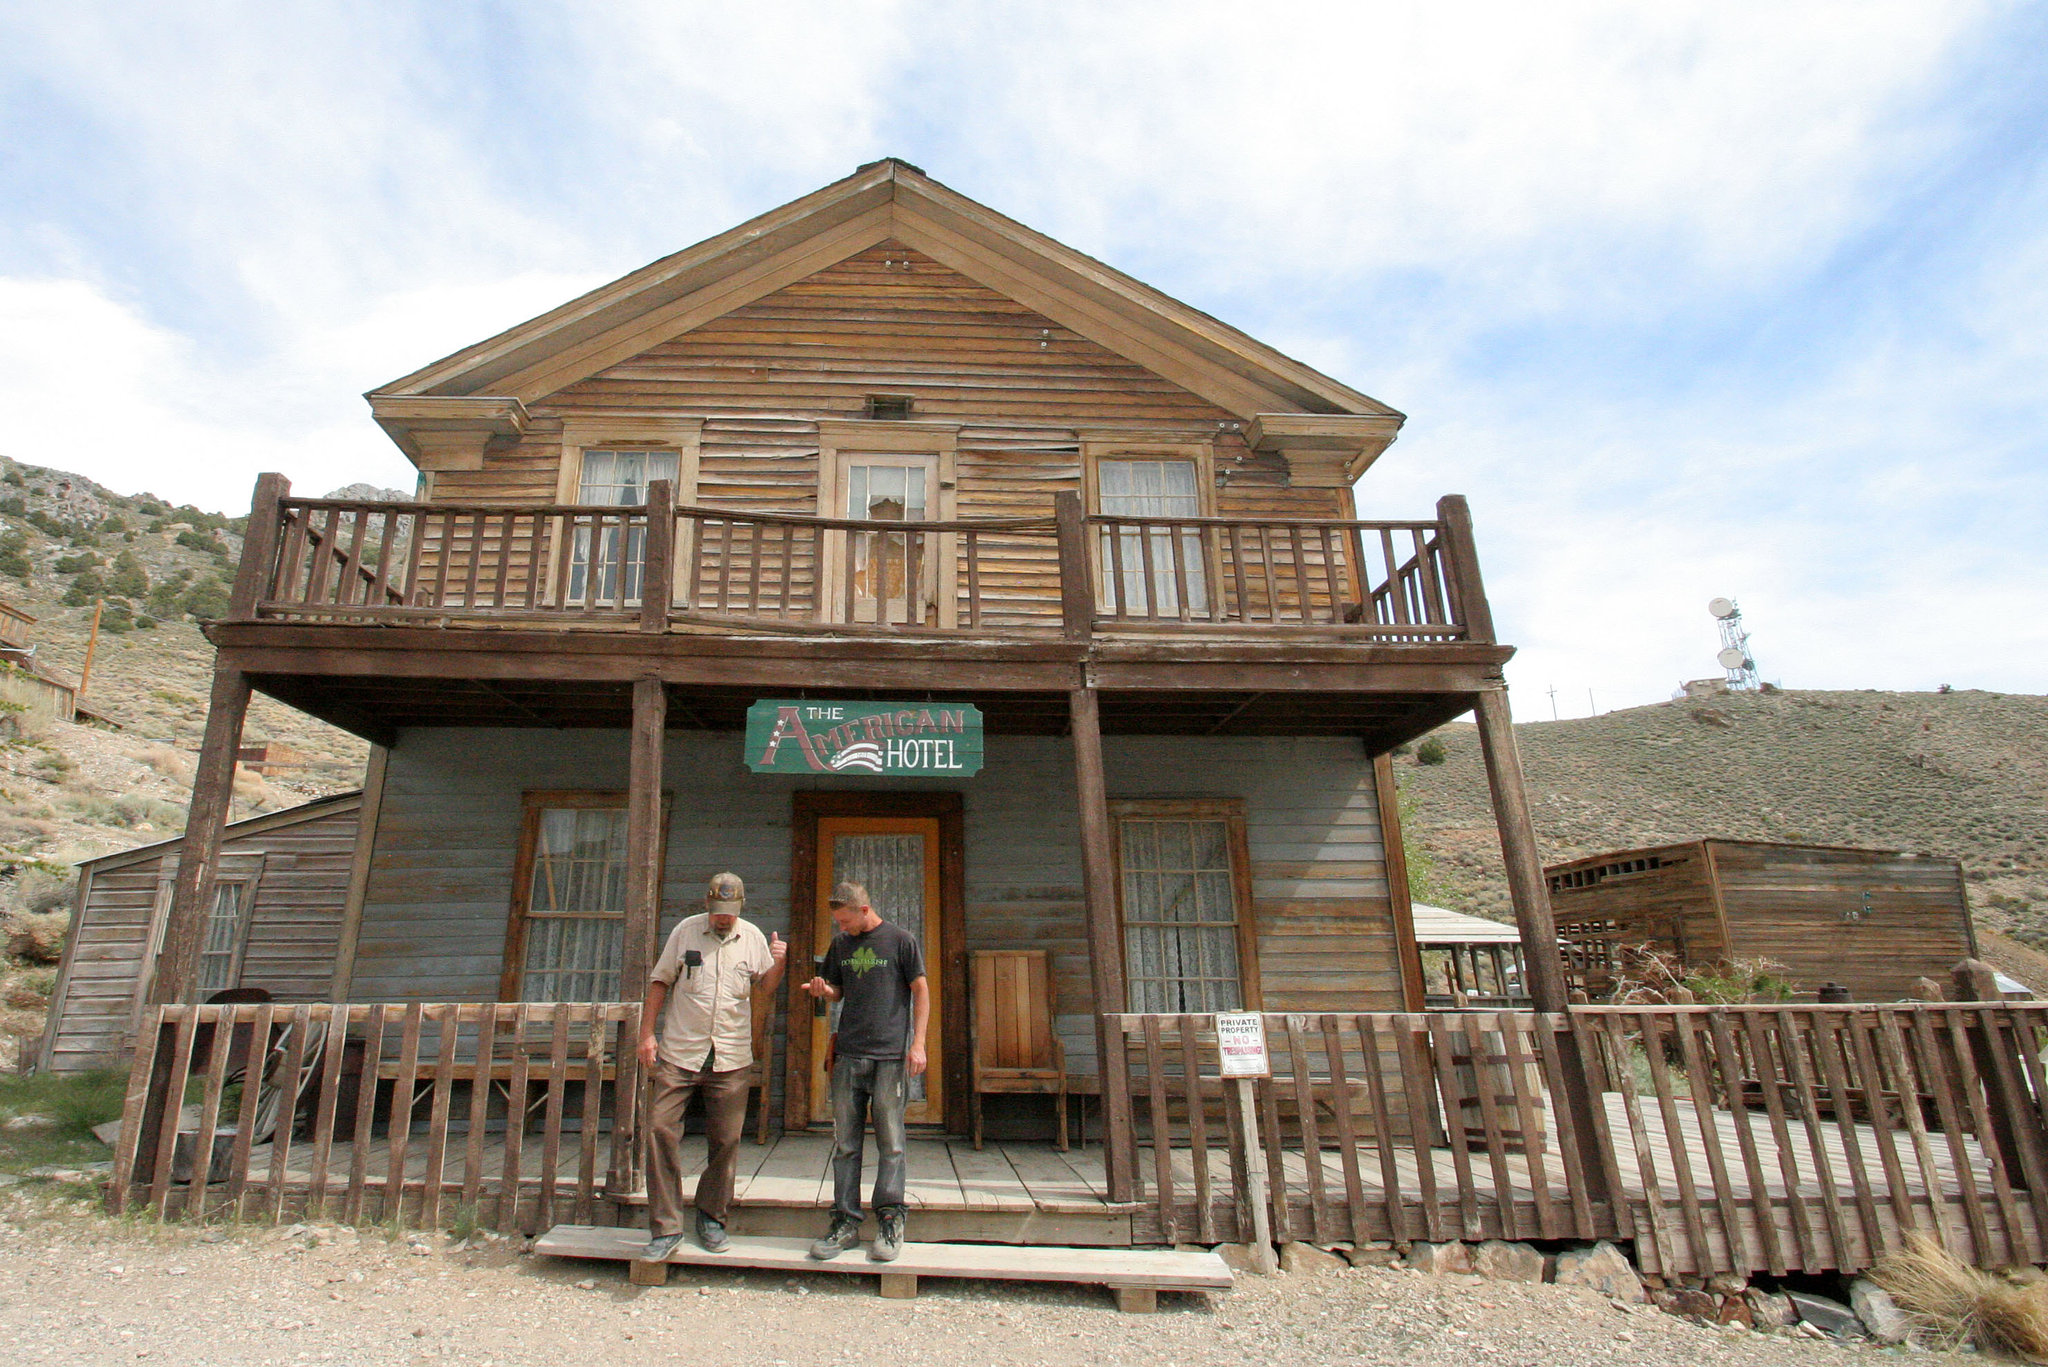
column 848, row 895
column 727, row 888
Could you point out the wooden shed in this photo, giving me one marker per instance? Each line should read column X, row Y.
column 275, row 923
column 1870, row 920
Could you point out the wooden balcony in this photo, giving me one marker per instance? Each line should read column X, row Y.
column 657, row 567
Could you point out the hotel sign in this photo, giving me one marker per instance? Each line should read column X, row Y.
column 893, row 739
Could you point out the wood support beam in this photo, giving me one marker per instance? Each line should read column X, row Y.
column 359, row 863
column 1531, row 895
column 1463, row 556
column 1077, row 583
column 657, row 565
column 643, row 837
column 1105, row 942
column 213, row 791
column 259, row 547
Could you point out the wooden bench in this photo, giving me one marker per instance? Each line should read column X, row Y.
column 1137, row 1275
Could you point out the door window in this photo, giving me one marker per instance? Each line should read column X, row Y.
column 887, row 566
column 227, row 930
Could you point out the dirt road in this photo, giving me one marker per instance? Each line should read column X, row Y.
column 83, row 1289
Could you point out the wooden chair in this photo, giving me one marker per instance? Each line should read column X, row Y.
column 1012, row 1048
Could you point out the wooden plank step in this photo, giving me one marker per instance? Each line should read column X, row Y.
column 1154, row 1269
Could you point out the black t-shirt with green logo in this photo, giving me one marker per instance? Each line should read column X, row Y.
column 873, row 972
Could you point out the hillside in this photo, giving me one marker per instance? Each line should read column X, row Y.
column 1963, row 774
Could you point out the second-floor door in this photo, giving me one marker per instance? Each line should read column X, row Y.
column 605, row 563
column 875, row 575
column 1150, row 570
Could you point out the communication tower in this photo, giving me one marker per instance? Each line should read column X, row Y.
column 1734, row 655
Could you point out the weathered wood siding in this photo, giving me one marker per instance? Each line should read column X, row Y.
column 440, row 882
column 1871, row 920
column 293, row 935
column 890, row 320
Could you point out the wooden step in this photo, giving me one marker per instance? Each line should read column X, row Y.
column 1137, row 1275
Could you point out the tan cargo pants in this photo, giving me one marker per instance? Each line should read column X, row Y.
column 725, row 1116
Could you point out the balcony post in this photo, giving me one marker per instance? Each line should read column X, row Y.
column 657, row 564
column 213, row 790
column 259, row 546
column 1077, row 591
column 1461, row 557
column 643, row 838
column 1105, row 943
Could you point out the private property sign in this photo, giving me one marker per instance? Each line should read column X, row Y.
column 894, row 739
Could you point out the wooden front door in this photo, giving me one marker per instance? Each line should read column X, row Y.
column 897, row 859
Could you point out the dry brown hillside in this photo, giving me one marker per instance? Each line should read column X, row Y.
column 1963, row 774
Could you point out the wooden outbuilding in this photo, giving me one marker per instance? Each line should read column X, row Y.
column 279, row 905
column 1871, row 921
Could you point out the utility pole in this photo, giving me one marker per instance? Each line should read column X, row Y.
column 91, row 644
column 1592, row 709
column 1553, row 702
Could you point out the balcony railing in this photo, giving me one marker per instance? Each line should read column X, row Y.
column 656, row 564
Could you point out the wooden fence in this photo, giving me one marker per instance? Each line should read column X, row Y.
column 1718, row 1139
column 515, row 1115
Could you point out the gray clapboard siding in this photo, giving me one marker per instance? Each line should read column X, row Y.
column 293, row 931
column 440, row 881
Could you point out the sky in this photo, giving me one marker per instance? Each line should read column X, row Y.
column 1690, row 300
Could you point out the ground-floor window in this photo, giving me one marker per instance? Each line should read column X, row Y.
column 569, row 899
column 1184, row 896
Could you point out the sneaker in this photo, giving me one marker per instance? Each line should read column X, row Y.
column 659, row 1247
column 711, row 1234
column 843, row 1235
column 888, row 1245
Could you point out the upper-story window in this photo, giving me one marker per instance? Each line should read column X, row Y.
column 615, row 477
column 1144, row 557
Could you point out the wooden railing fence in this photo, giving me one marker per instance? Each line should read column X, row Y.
column 1718, row 1138
column 517, row 1115
column 967, row 575
column 343, row 560
column 1381, row 579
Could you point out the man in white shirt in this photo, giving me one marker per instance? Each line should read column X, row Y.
column 702, row 992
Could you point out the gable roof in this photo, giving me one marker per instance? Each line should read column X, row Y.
column 312, row 810
column 885, row 201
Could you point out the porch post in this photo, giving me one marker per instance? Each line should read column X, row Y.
column 643, row 838
column 1544, row 965
column 213, row 790
column 1105, row 945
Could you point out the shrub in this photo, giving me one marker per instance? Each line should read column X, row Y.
column 1431, row 751
column 113, row 526
column 129, row 579
column 37, row 937
column 117, row 617
column 203, row 542
column 207, row 599
column 84, row 588
column 72, row 564
column 13, row 559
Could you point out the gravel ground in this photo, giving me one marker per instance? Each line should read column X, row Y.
column 84, row 1289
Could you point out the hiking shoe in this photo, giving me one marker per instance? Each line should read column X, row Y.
column 844, row 1234
column 888, row 1245
column 659, row 1247
column 711, row 1234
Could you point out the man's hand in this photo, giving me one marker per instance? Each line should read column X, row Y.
column 647, row 1051
column 778, row 949
column 818, row 987
column 917, row 1060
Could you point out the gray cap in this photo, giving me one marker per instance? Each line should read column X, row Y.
column 726, row 889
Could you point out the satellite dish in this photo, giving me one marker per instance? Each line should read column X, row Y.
column 1731, row 658
column 1723, row 608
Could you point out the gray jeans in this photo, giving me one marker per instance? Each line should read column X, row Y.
column 858, row 1086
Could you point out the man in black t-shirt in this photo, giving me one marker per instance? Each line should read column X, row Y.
column 875, row 970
